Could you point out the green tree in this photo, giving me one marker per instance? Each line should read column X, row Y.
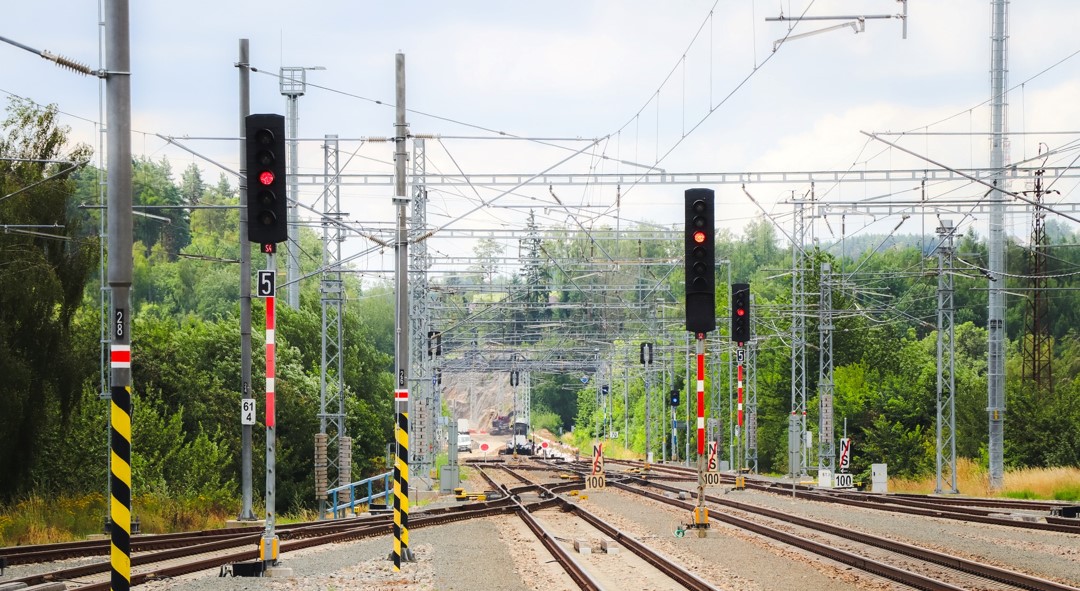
column 45, row 262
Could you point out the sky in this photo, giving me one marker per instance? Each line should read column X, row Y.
column 681, row 85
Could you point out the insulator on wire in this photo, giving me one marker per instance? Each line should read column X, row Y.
column 70, row 64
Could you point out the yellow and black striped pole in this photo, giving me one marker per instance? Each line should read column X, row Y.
column 120, row 468
column 118, row 211
column 401, row 480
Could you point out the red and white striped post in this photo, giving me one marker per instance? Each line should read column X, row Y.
column 268, row 546
column 701, row 513
column 701, row 394
column 740, row 482
column 739, row 419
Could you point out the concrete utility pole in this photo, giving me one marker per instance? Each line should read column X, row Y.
column 121, row 261
column 995, row 383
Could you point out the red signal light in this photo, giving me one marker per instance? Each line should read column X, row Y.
column 266, row 178
column 699, row 237
column 740, row 312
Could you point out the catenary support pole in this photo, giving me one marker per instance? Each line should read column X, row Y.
column 945, row 439
column 401, row 324
column 995, row 371
column 118, row 113
column 246, row 511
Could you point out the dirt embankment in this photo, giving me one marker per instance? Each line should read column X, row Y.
column 478, row 397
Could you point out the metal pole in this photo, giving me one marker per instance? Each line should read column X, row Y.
column 401, row 322
column 118, row 112
column 731, row 442
column 246, row 512
column 293, row 263
column 626, row 406
column 995, row 385
column 689, row 362
column 648, row 430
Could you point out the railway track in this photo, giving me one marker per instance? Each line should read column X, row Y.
column 579, row 573
column 978, row 510
column 147, row 566
column 525, row 493
column 911, row 565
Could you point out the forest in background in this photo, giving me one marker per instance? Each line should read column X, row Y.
column 186, row 342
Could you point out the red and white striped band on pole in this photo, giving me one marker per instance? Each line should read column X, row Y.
column 700, row 402
column 740, row 395
column 120, row 356
column 270, row 361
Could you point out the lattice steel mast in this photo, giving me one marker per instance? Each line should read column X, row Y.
column 826, row 447
column 751, row 394
column 332, row 471
column 423, row 343
column 797, row 450
column 946, row 357
column 1037, row 344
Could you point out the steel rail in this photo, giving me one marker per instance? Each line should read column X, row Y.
column 662, row 563
column 854, row 560
column 926, row 507
column 939, row 558
column 317, row 536
column 571, row 566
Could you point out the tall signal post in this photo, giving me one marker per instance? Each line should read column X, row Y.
column 264, row 142
column 700, row 241
column 740, row 335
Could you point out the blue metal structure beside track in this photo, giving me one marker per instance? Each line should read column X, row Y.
column 343, row 508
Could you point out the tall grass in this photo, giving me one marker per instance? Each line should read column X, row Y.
column 972, row 479
column 41, row 520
